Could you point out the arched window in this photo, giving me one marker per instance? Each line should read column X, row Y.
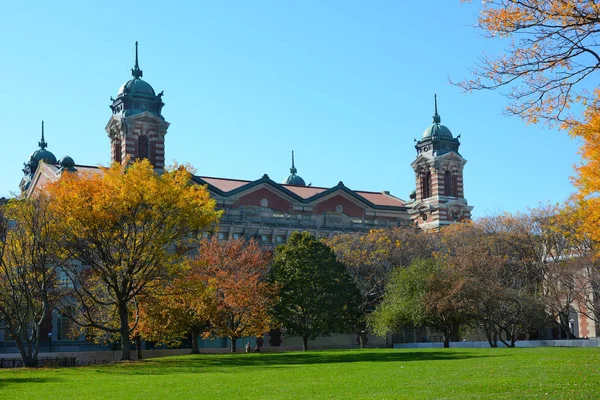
column 426, row 185
column 117, row 151
column 448, row 184
column 143, row 147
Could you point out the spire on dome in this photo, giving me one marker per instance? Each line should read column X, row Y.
column 42, row 143
column 294, row 179
column 136, row 71
column 293, row 170
column 436, row 117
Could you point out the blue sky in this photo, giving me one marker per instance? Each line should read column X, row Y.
column 345, row 84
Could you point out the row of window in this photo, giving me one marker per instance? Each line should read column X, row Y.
column 450, row 185
column 265, row 203
column 143, row 148
column 261, row 238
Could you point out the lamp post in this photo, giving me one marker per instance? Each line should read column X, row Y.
column 50, row 340
column 572, row 326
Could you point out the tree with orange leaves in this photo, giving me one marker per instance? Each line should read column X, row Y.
column 587, row 200
column 124, row 225
column 553, row 47
column 178, row 308
column 236, row 271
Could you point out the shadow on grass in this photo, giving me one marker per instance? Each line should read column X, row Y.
column 13, row 381
column 231, row 362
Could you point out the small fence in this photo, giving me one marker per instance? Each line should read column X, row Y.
column 520, row 343
column 41, row 362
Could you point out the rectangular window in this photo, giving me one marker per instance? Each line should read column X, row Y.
column 65, row 328
column 265, row 238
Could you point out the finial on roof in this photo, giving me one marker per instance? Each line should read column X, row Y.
column 436, row 117
column 293, row 170
column 136, row 71
column 42, row 143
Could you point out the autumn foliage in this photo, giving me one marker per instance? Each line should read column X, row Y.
column 551, row 48
column 124, row 225
column 235, row 271
column 29, row 259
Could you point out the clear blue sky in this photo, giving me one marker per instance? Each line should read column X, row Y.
column 345, row 84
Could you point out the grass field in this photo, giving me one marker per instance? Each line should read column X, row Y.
column 569, row 373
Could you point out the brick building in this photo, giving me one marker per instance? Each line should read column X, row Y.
column 267, row 210
column 263, row 208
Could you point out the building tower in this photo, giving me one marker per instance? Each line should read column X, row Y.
column 40, row 155
column 137, row 128
column 439, row 198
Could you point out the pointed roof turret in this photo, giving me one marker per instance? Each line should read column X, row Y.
column 137, row 88
column 293, row 170
column 437, row 130
column 42, row 143
column 294, row 179
column 436, row 117
column 40, row 154
column 136, row 72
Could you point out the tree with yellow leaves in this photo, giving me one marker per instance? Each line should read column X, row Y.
column 127, row 226
column 553, row 47
column 29, row 257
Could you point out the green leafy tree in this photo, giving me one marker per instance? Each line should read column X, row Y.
column 426, row 294
column 317, row 296
column 369, row 259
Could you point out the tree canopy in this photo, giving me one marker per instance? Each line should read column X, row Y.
column 126, row 225
column 370, row 258
column 426, row 293
column 552, row 47
column 317, row 297
column 236, row 271
column 29, row 258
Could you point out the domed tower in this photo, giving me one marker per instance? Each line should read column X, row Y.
column 137, row 128
column 439, row 198
column 35, row 158
column 294, row 179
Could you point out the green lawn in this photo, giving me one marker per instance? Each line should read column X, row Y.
column 570, row 373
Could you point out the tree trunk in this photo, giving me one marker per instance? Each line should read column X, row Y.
column 138, row 347
column 362, row 338
column 305, row 342
column 233, row 344
column 26, row 355
column 490, row 335
column 446, row 341
column 124, row 331
column 195, row 333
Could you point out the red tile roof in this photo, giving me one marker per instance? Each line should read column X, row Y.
column 227, row 185
column 377, row 198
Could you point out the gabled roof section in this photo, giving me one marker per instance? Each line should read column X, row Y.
column 303, row 194
column 47, row 173
column 230, row 187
